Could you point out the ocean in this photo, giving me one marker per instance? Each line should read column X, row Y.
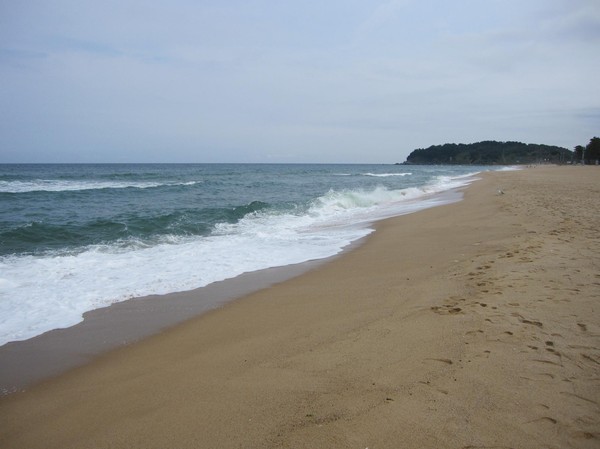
column 74, row 238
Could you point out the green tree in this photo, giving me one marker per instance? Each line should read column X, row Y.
column 592, row 151
column 488, row 153
column 578, row 157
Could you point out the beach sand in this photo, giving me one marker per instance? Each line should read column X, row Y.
column 475, row 324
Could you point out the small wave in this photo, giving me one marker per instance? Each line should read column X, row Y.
column 349, row 199
column 253, row 207
column 67, row 284
column 127, row 231
column 386, row 175
column 511, row 168
column 381, row 201
column 43, row 185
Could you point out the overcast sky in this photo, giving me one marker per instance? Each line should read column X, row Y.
column 292, row 81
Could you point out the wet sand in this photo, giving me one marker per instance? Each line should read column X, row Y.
column 27, row 362
column 474, row 324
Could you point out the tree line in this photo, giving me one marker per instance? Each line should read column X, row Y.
column 490, row 153
column 590, row 154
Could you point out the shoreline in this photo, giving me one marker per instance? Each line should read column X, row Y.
column 24, row 363
column 472, row 324
column 27, row 362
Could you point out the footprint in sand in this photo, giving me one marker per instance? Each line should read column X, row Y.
column 446, row 361
column 590, row 358
column 446, row 310
column 583, row 398
column 548, row 362
column 543, row 418
column 527, row 321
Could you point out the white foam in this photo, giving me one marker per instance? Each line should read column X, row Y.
column 43, row 293
column 386, row 175
column 52, row 185
column 511, row 168
column 40, row 293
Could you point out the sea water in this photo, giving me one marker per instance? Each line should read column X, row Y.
column 74, row 238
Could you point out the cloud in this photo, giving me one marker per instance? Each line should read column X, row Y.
column 382, row 15
column 344, row 81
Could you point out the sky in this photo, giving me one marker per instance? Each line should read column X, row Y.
column 328, row 81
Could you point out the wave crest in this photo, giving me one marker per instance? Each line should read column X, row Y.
column 53, row 185
column 386, row 175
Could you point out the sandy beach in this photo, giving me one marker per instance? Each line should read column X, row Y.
column 470, row 325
